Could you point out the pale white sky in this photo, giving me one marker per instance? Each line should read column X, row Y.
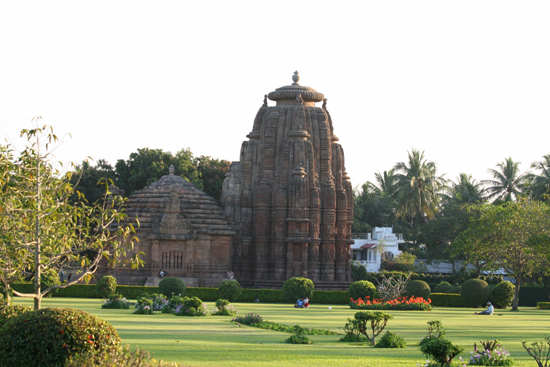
column 468, row 82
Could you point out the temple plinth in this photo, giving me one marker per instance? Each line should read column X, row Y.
column 289, row 198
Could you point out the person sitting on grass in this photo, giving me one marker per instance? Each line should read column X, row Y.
column 489, row 311
column 306, row 303
column 299, row 303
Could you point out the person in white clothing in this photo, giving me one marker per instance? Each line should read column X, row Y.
column 489, row 311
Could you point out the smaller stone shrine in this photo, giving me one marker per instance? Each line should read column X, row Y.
column 182, row 232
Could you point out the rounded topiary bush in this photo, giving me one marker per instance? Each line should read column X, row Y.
column 106, row 286
column 172, row 287
column 7, row 312
column 443, row 287
column 456, row 290
column 49, row 278
column 475, row 292
column 391, row 340
column 49, row 336
column 503, row 294
column 230, row 289
column 362, row 289
column 295, row 288
column 418, row 288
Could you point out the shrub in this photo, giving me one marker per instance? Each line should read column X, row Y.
column 353, row 333
column 362, row 289
column 456, row 290
column 116, row 301
column 230, row 289
column 224, row 308
column 540, row 306
column 144, row 306
column 540, row 351
column 249, row 319
column 441, row 350
column 376, row 320
column 358, row 271
column 49, row 278
column 191, row 306
column 390, row 340
column 7, row 312
column 172, row 287
column 443, row 287
column 447, row 300
column 401, row 303
column 173, row 303
column 298, row 339
column 106, row 286
column 475, row 292
column 159, row 300
column 503, row 294
column 51, row 335
column 295, row 288
column 116, row 358
column 418, row 288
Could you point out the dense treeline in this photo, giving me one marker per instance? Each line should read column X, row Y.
column 145, row 167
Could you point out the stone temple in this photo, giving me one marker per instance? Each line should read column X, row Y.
column 289, row 197
column 287, row 208
column 182, row 232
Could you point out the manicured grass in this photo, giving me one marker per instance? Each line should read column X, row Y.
column 215, row 341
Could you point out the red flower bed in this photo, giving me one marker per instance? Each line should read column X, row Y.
column 402, row 303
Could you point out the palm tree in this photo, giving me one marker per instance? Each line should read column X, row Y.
column 385, row 185
column 465, row 191
column 539, row 185
column 417, row 188
column 507, row 183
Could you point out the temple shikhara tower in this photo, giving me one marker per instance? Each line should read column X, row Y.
column 289, row 198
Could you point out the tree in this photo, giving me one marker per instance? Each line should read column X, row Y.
column 465, row 191
column 514, row 236
column 539, row 184
column 43, row 230
column 212, row 173
column 417, row 188
column 507, row 183
column 87, row 179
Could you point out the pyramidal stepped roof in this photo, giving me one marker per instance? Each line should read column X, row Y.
column 202, row 213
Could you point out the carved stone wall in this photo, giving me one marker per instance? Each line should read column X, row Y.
column 182, row 231
column 289, row 197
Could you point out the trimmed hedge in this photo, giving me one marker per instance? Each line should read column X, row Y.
column 543, row 305
column 447, row 300
column 529, row 296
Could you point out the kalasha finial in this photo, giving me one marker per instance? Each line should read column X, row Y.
column 171, row 169
column 296, row 78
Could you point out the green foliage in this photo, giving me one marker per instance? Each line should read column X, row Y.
column 441, row 350
column 362, row 289
column 172, row 286
column 443, row 287
column 224, row 308
column 297, row 287
column 358, row 271
column 7, row 312
column 475, row 292
column 377, row 321
column 44, row 227
column 230, row 289
column 144, row 306
column 418, row 288
column 540, row 306
column 447, row 300
column 106, row 286
column 116, row 301
column 52, row 335
column 298, row 339
column 191, row 306
column 502, row 294
column 391, row 340
column 116, row 358
column 173, row 303
column 529, row 296
column 50, row 278
column 540, row 351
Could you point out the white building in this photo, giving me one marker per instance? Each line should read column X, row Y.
column 370, row 249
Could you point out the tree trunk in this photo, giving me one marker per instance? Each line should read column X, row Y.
column 516, row 294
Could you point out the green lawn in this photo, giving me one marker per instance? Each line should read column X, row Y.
column 214, row 341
